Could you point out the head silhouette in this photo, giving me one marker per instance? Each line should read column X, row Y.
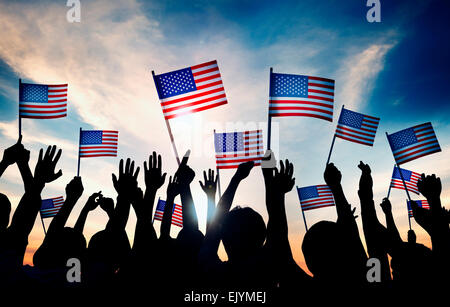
column 108, row 247
column 243, row 232
column 62, row 246
column 5, row 210
column 325, row 252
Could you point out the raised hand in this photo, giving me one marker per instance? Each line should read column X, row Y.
column 283, row 179
column 184, row 174
column 210, row 185
column 94, row 201
column 386, row 206
column 430, row 186
column 126, row 184
column 244, row 170
column 365, row 182
column 332, row 175
column 154, row 178
column 173, row 188
column 10, row 154
column 44, row 171
column 74, row 189
column 107, row 205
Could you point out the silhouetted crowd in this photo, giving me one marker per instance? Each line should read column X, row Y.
column 259, row 255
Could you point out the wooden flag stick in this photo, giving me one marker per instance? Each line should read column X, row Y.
column 168, row 126
column 269, row 118
column 334, row 138
column 303, row 213
column 20, row 118
column 79, row 149
column 389, row 191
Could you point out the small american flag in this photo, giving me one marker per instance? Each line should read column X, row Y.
column 177, row 213
column 421, row 203
column 357, row 127
column 411, row 179
column 42, row 101
column 189, row 90
column 98, row 143
column 235, row 148
column 297, row 95
column 315, row 196
column 413, row 143
column 51, row 206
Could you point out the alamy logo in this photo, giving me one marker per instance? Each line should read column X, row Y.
column 374, row 13
column 74, row 13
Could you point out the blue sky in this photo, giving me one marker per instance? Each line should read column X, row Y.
column 395, row 69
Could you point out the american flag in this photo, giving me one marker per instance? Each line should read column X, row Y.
column 421, row 203
column 297, row 95
column 98, row 143
column 177, row 213
column 315, row 196
column 411, row 179
column 357, row 127
column 51, row 206
column 413, row 143
column 42, row 101
column 189, row 90
column 235, row 148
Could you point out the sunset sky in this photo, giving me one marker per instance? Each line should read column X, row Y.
column 396, row 70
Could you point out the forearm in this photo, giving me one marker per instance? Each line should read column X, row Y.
column 167, row 218
column 59, row 221
column 27, row 176
column 211, row 207
column 119, row 219
column 81, row 221
column 3, row 167
column 190, row 220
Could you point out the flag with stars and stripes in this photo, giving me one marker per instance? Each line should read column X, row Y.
column 235, row 148
column 421, row 203
column 177, row 213
column 413, row 143
column 50, row 207
column 297, row 95
column 98, row 143
column 315, row 196
column 357, row 127
column 411, row 179
column 42, row 101
column 190, row 90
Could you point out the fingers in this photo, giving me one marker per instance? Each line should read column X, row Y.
column 201, row 184
column 121, row 167
column 159, row 166
column 40, row 155
column 185, row 157
column 136, row 173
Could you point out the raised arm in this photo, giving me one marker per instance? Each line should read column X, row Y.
column 375, row 233
column 393, row 234
column 91, row 204
column 126, row 186
column 154, row 179
column 213, row 237
column 184, row 176
column 209, row 187
column 173, row 189
column 74, row 190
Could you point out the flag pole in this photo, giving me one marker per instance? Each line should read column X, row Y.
column 168, row 127
column 389, row 191
column 43, row 225
column 218, row 174
column 20, row 118
column 334, row 139
column 79, row 149
column 269, row 118
column 303, row 214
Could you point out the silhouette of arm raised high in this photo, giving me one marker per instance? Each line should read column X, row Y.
column 434, row 221
column 25, row 215
column 126, row 186
column 154, row 179
column 209, row 187
column 212, row 239
column 184, row 176
column 91, row 204
column 374, row 232
column 394, row 238
column 173, row 189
